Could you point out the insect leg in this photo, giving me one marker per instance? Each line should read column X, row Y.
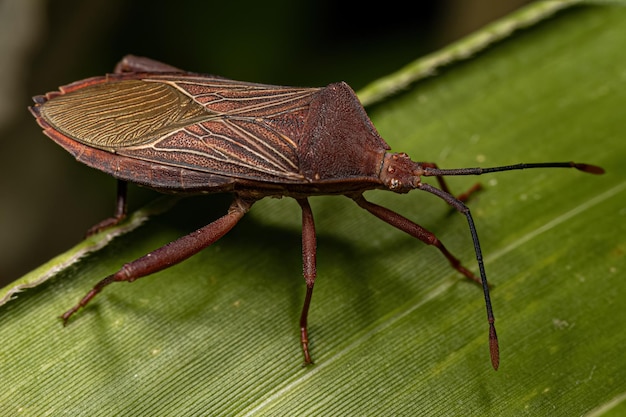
column 415, row 230
column 120, row 210
column 444, row 186
column 309, row 271
column 132, row 63
column 429, row 238
column 170, row 254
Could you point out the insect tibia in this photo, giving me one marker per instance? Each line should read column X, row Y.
column 399, row 173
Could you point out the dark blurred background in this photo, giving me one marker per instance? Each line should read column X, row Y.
column 49, row 200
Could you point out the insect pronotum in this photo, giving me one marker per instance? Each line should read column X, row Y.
column 179, row 132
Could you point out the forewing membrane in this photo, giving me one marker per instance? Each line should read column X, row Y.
column 207, row 124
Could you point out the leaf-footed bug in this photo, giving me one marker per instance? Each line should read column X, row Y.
column 179, row 132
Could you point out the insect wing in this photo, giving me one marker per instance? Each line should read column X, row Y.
column 205, row 124
column 250, row 131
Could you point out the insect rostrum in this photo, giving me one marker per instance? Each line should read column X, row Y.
column 179, row 132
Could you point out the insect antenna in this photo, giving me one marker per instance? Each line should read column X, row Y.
column 437, row 172
column 461, row 207
column 433, row 171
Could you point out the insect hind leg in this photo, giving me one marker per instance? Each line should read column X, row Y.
column 170, row 254
column 132, row 63
column 121, row 208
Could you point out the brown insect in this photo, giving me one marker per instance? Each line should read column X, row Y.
column 181, row 132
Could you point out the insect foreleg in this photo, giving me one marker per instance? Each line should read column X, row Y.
column 170, row 254
column 415, row 230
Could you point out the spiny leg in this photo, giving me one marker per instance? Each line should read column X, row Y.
column 120, row 210
column 415, row 230
column 170, row 254
column 309, row 271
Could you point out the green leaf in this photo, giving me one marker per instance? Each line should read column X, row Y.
column 395, row 331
